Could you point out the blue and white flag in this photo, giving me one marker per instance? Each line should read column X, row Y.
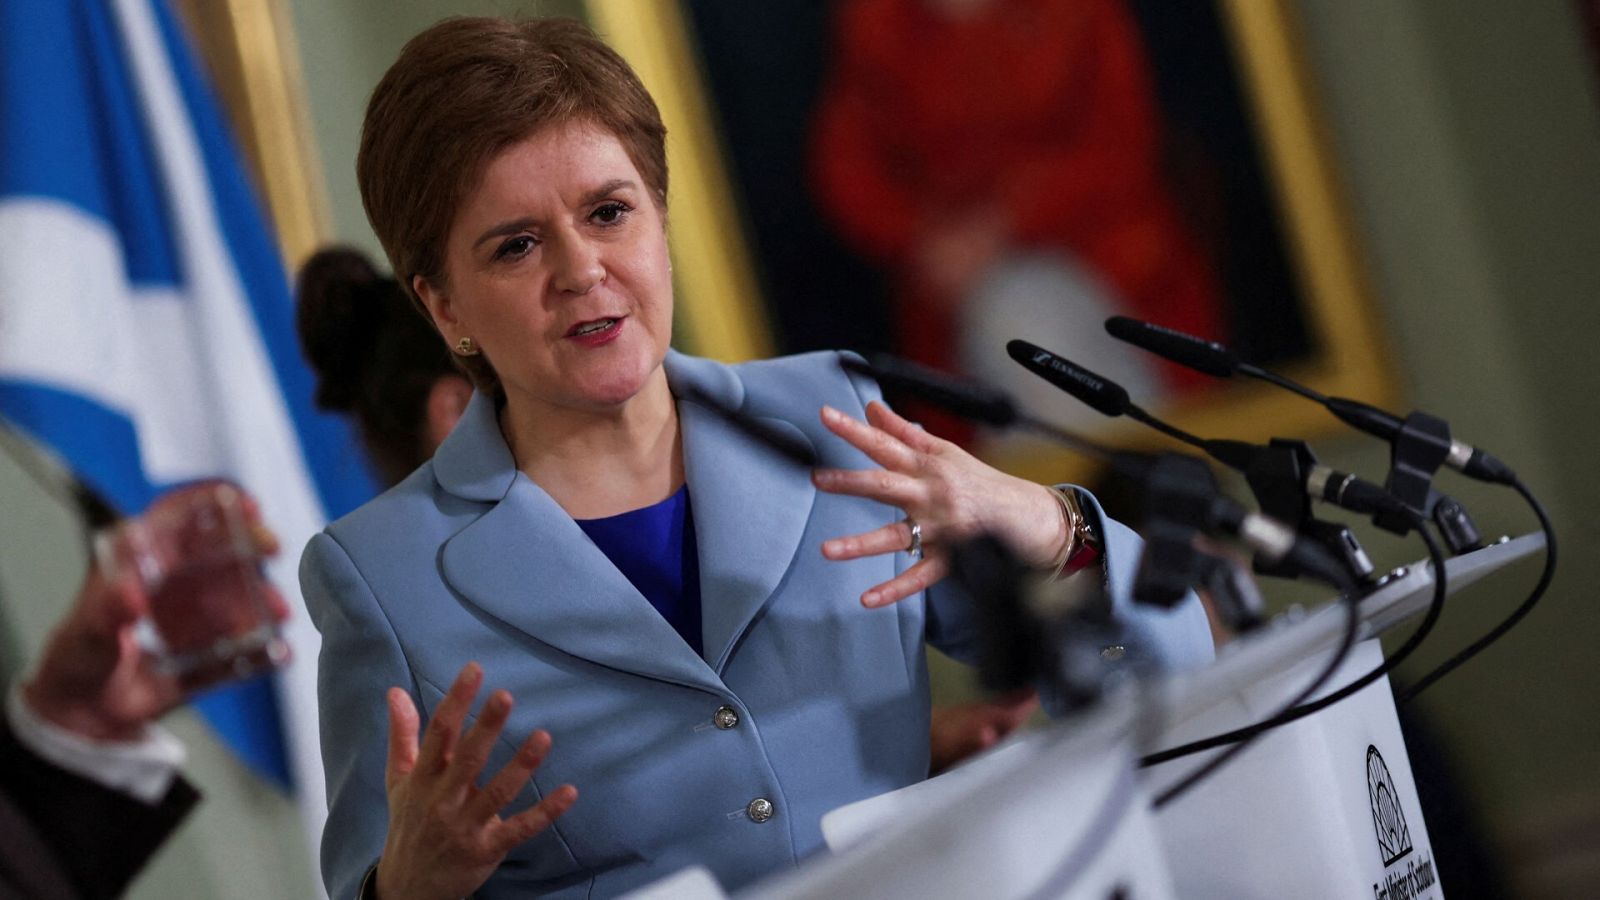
column 146, row 327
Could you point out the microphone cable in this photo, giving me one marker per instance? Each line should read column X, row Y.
column 1516, row 616
column 1352, row 627
column 1299, row 709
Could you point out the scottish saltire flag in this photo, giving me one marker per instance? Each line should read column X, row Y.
column 146, row 328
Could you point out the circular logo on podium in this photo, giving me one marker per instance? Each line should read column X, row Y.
column 1388, row 819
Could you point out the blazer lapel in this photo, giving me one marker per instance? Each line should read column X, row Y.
column 528, row 564
column 750, row 505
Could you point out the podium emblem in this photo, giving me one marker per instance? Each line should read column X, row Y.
column 1388, row 819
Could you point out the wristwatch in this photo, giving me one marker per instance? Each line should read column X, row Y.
column 1083, row 543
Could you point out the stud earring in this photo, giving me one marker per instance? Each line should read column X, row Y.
column 466, row 347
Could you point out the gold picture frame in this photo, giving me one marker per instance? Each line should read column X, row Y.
column 249, row 50
column 719, row 307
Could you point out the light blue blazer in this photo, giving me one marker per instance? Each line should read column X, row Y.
column 468, row 559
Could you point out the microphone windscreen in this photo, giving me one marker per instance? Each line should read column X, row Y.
column 967, row 399
column 1187, row 350
column 1104, row 396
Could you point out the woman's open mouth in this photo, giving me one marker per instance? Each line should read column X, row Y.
column 596, row 331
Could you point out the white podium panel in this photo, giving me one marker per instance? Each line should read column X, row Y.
column 1324, row 807
column 1055, row 815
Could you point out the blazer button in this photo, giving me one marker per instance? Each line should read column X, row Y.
column 760, row 810
column 725, row 717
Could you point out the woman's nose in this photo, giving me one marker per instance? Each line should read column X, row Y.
column 578, row 267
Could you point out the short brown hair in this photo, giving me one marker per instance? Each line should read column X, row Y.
column 460, row 93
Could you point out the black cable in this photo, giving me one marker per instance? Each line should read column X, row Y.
column 1352, row 627
column 1172, row 431
column 1516, row 616
column 1435, row 607
column 1288, row 385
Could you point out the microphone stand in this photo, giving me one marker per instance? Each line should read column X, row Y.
column 1181, row 500
column 1418, row 445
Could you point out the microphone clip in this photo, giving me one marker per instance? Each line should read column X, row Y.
column 1277, row 474
column 1417, row 450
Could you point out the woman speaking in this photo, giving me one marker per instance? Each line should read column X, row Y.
column 713, row 645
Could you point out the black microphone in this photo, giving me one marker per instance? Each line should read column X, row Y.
column 1103, row 396
column 1464, row 458
column 1339, row 488
column 1182, row 489
column 1187, row 350
column 971, row 400
column 967, row 399
column 1419, row 444
column 1215, row 359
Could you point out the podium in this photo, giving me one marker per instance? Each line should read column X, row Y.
column 1324, row 807
column 1053, row 814
column 1057, row 813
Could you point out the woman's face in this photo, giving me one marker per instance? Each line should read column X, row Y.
column 556, row 266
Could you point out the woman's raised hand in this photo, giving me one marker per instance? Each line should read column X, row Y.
column 947, row 491
column 446, row 836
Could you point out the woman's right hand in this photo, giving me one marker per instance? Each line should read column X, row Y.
column 446, row 836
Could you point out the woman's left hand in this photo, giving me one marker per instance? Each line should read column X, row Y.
column 946, row 490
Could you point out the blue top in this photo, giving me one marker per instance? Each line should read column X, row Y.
column 654, row 547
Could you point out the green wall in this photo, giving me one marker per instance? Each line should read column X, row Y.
column 1468, row 132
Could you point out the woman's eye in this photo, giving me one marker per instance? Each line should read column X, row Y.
column 517, row 246
column 611, row 213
